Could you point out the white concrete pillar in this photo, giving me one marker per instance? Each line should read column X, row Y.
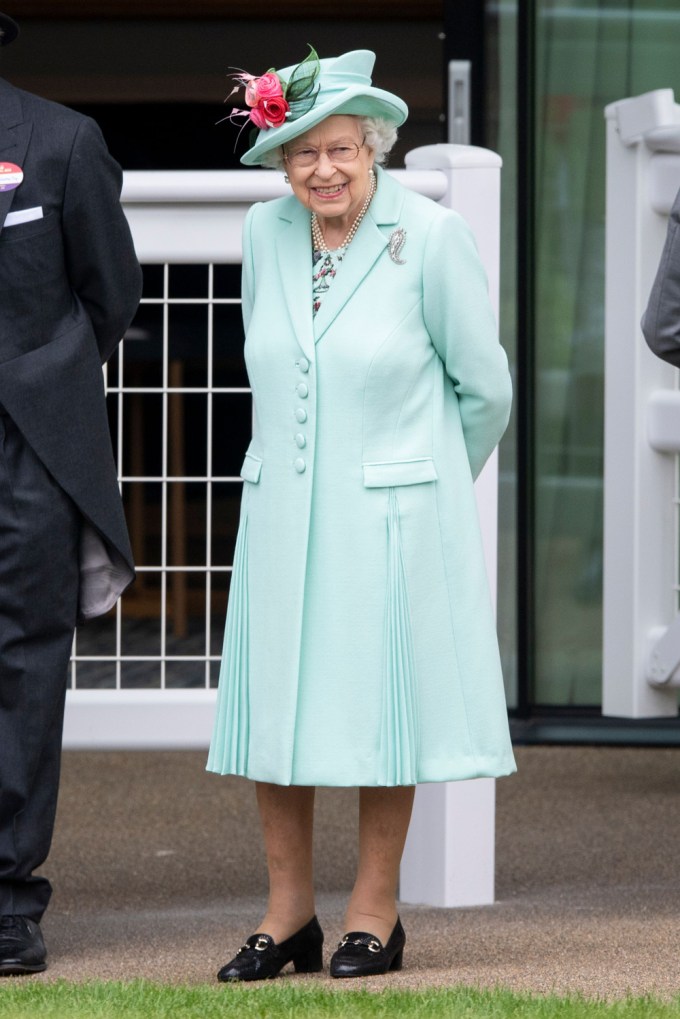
column 449, row 858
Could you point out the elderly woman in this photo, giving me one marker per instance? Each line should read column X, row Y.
column 360, row 647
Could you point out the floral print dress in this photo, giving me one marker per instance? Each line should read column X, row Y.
column 325, row 265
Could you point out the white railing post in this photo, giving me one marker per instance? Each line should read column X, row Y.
column 449, row 857
column 640, row 483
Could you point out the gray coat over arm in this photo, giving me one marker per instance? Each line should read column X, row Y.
column 661, row 320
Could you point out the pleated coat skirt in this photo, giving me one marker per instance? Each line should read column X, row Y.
column 360, row 645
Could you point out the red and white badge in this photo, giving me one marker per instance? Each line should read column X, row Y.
column 11, row 176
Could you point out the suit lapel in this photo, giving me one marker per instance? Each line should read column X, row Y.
column 294, row 251
column 368, row 245
column 14, row 137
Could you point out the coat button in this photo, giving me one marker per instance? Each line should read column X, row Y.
column 300, row 440
column 302, row 390
column 301, row 415
column 300, row 465
column 303, row 365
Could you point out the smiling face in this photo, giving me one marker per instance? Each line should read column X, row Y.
column 334, row 191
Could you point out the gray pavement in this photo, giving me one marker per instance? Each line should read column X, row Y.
column 159, row 873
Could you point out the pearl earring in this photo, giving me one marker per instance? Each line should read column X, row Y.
column 286, row 178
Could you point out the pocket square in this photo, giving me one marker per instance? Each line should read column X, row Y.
column 23, row 216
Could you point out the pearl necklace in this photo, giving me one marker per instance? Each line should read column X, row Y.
column 317, row 236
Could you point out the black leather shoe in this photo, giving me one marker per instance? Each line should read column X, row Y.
column 261, row 958
column 362, row 955
column 22, row 949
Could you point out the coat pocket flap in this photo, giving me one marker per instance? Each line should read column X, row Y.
column 251, row 469
column 390, row 473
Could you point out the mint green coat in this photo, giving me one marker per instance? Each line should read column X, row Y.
column 360, row 646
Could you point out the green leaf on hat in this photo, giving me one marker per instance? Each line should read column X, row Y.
column 302, row 88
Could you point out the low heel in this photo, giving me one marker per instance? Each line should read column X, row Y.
column 398, row 960
column 361, row 954
column 309, row 962
column 261, row 958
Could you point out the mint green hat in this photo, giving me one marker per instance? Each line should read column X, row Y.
column 344, row 87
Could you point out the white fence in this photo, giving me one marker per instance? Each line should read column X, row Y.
column 641, row 654
column 187, row 231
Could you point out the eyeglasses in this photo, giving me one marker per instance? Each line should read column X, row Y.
column 344, row 152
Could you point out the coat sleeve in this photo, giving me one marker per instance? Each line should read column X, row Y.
column 661, row 320
column 248, row 269
column 461, row 324
column 100, row 257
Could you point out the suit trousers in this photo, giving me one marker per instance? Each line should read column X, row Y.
column 39, row 534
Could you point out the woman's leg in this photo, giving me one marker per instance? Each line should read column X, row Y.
column 384, row 815
column 287, row 817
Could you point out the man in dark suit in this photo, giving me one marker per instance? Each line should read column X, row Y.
column 69, row 286
column 661, row 320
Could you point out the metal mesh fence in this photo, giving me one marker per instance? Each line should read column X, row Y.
column 180, row 412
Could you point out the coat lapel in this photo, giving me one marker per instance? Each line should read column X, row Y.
column 368, row 245
column 14, row 137
column 294, row 251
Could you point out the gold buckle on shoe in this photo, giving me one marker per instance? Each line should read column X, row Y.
column 261, row 945
column 373, row 945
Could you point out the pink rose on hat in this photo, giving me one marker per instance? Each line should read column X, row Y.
column 265, row 97
column 268, row 86
column 271, row 100
column 275, row 110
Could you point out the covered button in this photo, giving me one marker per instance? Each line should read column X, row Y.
column 300, row 465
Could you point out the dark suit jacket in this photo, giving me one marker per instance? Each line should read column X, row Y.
column 661, row 321
column 69, row 286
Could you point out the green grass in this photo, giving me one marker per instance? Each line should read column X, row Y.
column 140, row 999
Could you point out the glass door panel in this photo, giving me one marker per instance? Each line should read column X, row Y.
column 587, row 55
